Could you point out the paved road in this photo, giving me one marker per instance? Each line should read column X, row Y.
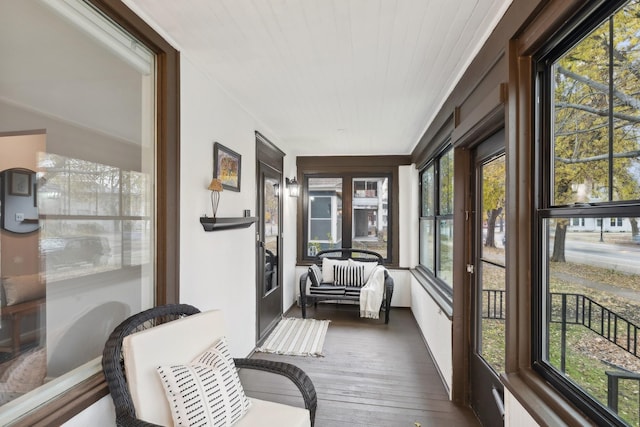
column 616, row 257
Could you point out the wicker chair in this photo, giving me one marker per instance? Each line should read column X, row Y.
column 113, row 363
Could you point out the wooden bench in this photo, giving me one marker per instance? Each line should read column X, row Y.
column 332, row 290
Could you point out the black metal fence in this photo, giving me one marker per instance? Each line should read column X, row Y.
column 493, row 304
column 577, row 309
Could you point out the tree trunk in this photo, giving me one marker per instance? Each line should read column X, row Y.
column 492, row 215
column 559, row 242
column 634, row 226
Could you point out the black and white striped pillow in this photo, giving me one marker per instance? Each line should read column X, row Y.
column 223, row 401
column 348, row 275
column 315, row 275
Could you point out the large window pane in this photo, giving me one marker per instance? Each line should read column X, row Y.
column 445, row 251
column 370, row 203
column 77, row 244
column 428, row 192
column 590, row 287
column 324, row 226
column 493, row 310
column 436, row 218
column 593, row 308
column 493, row 210
column 427, row 244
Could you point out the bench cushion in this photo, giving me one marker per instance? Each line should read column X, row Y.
column 353, row 291
column 327, row 289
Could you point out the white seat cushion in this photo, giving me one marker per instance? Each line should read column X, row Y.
column 270, row 414
column 174, row 343
column 178, row 343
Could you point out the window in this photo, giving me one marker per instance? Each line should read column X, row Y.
column 436, row 218
column 588, row 285
column 85, row 237
column 616, row 222
column 369, row 215
column 325, row 214
column 349, row 202
column 369, row 228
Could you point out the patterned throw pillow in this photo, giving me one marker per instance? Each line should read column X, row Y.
column 315, row 275
column 223, row 401
column 348, row 275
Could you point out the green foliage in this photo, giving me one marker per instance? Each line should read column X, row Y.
column 446, row 183
column 493, row 195
column 584, row 136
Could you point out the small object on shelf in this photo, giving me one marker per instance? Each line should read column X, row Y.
column 215, row 224
column 216, row 188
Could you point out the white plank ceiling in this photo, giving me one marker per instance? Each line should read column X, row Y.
column 332, row 76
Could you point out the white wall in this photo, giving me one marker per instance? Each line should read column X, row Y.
column 289, row 238
column 217, row 269
column 100, row 414
column 436, row 329
column 408, row 198
column 515, row 414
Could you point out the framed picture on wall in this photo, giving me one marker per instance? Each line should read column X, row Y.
column 226, row 167
column 20, row 183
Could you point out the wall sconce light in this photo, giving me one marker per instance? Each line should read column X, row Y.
column 292, row 185
column 216, row 188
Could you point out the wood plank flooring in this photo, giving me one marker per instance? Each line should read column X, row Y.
column 371, row 374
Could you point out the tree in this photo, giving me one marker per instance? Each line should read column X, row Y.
column 597, row 124
column 493, row 195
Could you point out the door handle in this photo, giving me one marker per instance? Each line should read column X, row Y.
column 499, row 400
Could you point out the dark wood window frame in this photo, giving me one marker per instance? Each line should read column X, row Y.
column 544, row 403
column 580, row 26
column 440, row 291
column 349, row 167
column 86, row 393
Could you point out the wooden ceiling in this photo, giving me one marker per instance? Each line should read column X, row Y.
column 333, row 77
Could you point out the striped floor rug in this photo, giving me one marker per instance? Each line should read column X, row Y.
column 296, row 337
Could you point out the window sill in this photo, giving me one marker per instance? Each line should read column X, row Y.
column 545, row 405
column 68, row 404
column 442, row 295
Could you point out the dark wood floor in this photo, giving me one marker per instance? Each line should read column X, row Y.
column 371, row 374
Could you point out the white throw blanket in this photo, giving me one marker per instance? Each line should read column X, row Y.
column 372, row 293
